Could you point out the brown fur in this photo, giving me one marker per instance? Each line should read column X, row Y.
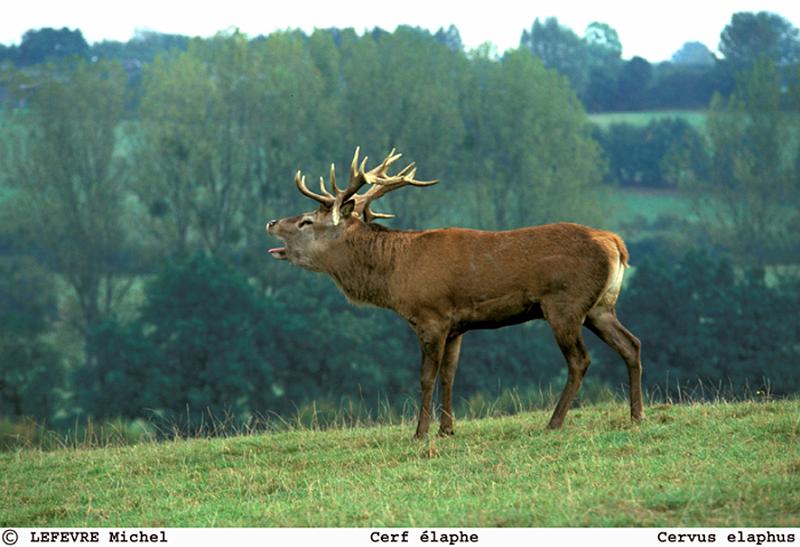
column 449, row 281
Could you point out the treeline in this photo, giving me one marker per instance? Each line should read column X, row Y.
column 592, row 62
column 605, row 82
column 135, row 280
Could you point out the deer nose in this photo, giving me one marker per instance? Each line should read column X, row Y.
column 271, row 223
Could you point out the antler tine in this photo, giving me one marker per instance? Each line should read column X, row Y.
column 356, row 181
column 324, row 190
column 406, row 169
column 369, row 215
column 333, row 178
column 379, row 172
column 300, row 181
column 406, row 176
column 354, row 164
column 356, row 178
column 414, row 182
column 390, row 159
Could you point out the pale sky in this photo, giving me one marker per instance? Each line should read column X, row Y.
column 653, row 30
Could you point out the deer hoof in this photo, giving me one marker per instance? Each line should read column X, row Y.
column 446, row 432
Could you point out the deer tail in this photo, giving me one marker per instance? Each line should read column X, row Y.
column 623, row 250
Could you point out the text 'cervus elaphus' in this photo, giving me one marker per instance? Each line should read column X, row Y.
column 445, row 282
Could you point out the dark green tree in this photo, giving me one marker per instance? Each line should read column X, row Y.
column 745, row 200
column 59, row 157
column 7, row 53
column 49, row 44
column 144, row 47
column 752, row 37
column 224, row 126
column 196, row 149
column 699, row 320
column 605, row 62
column 450, row 38
column 543, row 161
column 686, row 86
column 634, row 81
column 655, row 155
column 561, row 49
column 603, row 39
column 204, row 343
column 424, row 121
column 31, row 376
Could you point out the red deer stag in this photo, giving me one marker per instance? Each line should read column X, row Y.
column 447, row 281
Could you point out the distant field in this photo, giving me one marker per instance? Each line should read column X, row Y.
column 720, row 465
column 630, row 203
column 696, row 118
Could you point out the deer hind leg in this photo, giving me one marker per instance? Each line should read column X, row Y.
column 567, row 330
column 447, row 373
column 432, row 344
column 604, row 323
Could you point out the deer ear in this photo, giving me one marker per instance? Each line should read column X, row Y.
column 347, row 208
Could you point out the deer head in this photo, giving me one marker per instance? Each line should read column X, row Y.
column 310, row 236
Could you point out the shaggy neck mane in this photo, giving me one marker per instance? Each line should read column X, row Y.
column 361, row 265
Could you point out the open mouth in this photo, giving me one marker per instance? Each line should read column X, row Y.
column 278, row 252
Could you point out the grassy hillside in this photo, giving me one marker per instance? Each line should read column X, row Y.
column 687, row 465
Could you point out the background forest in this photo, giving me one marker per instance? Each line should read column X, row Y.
column 136, row 179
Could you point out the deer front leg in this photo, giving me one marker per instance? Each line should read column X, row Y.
column 432, row 343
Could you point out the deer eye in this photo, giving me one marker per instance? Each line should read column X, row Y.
column 306, row 222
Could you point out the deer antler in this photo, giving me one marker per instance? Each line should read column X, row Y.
column 381, row 184
column 326, row 199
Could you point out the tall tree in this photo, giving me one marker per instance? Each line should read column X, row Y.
column 591, row 63
column 634, row 80
column 754, row 169
column 196, row 144
column 30, row 372
column 49, row 44
column 451, row 38
column 144, row 47
column 603, row 42
column 749, row 37
column 61, row 159
column 405, row 90
column 560, row 48
column 543, row 160
column 202, row 345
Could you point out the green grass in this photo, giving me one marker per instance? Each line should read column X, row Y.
column 697, row 118
column 722, row 464
column 630, row 203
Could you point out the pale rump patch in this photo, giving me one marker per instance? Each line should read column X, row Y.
column 608, row 298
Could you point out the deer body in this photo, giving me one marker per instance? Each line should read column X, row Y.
column 473, row 278
column 448, row 281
